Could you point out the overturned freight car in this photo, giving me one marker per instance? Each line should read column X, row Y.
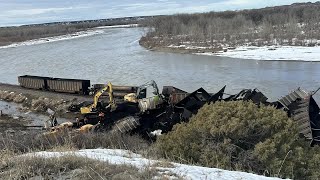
column 304, row 110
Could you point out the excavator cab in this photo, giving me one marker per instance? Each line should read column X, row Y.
column 147, row 99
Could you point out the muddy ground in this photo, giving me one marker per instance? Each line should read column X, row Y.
column 9, row 125
column 7, row 121
column 40, row 101
column 33, row 105
column 37, row 93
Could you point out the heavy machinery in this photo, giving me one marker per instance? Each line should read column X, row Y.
column 148, row 110
column 145, row 100
column 117, row 116
column 96, row 106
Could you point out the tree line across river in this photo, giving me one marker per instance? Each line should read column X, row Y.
column 296, row 24
column 14, row 34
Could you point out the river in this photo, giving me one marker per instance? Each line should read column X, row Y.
column 116, row 56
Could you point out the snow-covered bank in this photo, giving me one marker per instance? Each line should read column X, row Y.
column 91, row 32
column 118, row 26
column 55, row 38
column 292, row 53
column 172, row 170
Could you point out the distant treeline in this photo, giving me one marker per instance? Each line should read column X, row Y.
column 296, row 24
column 13, row 34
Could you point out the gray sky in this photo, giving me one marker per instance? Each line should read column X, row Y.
column 17, row 12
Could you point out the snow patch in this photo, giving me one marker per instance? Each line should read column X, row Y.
column 118, row 26
column 55, row 38
column 120, row 157
column 294, row 53
column 188, row 46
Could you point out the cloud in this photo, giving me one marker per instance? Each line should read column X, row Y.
column 27, row 12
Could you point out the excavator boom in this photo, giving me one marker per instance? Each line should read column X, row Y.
column 92, row 108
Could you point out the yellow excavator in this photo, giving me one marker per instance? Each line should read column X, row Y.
column 93, row 108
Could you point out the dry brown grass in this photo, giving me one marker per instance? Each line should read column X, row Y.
column 68, row 167
column 15, row 166
column 33, row 141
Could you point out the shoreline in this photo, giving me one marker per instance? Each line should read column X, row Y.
column 39, row 101
column 263, row 53
column 247, row 52
column 79, row 34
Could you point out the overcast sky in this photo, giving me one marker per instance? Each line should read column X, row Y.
column 17, row 12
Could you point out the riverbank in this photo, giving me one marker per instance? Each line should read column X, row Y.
column 63, row 36
column 265, row 53
column 25, row 110
column 40, row 101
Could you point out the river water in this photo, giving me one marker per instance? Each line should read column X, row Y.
column 116, row 56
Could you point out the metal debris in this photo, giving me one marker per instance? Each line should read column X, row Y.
column 178, row 106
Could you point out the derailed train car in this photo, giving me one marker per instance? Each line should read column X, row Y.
column 299, row 105
column 180, row 105
column 304, row 110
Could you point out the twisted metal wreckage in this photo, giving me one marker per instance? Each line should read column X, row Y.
column 178, row 106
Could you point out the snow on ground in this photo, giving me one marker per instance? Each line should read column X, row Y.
column 294, row 53
column 55, row 38
column 188, row 47
column 91, row 32
column 118, row 26
column 172, row 170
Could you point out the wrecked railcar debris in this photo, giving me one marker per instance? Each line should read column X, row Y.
column 299, row 104
column 249, row 94
column 173, row 95
column 195, row 100
column 184, row 109
column 178, row 106
column 304, row 110
column 217, row 96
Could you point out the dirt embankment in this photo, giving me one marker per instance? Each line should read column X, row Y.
column 173, row 45
column 40, row 101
